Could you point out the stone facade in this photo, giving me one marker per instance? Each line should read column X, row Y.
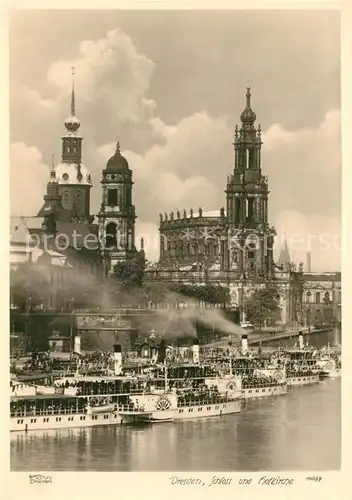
column 117, row 213
column 238, row 240
column 321, row 298
column 233, row 247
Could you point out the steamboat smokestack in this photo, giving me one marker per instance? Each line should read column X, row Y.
column 244, row 344
column 195, row 350
column 300, row 340
column 117, row 359
column 77, row 345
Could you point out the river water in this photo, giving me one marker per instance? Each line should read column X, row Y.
column 298, row 431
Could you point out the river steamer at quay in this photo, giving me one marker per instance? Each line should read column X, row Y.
column 104, row 400
column 173, row 405
column 301, row 365
column 250, row 375
column 55, row 411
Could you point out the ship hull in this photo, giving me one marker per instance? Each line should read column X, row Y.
column 185, row 413
column 39, row 422
column 303, row 380
column 330, row 374
column 211, row 410
column 263, row 392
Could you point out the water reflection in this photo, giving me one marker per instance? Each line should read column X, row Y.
column 298, row 431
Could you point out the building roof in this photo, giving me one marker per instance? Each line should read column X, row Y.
column 19, row 232
column 73, row 174
column 77, row 234
column 117, row 162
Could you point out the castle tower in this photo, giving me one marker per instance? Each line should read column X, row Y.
column 117, row 213
column 52, row 203
column 250, row 242
column 73, row 178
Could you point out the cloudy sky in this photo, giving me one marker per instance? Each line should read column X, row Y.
column 170, row 86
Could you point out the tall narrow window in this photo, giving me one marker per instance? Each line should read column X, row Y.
column 237, row 210
column 65, row 199
column 112, row 197
column 250, row 213
column 247, row 158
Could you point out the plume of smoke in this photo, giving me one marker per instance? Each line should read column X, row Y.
column 182, row 319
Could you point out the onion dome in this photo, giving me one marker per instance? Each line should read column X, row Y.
column 117, row 162
column 72, row 124
column 248, row 115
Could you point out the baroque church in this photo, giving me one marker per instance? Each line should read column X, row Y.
column 234, row 246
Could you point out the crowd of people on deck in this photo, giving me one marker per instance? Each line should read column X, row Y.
column 39, row 362
column 201, row 395
column 255, row 382
column 31, row 407
column 87, row 387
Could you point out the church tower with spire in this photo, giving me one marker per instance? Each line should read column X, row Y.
column 72, row 177
column 284, row 261
column 250, row 241
column 117, row 212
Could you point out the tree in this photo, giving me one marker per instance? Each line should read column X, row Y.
column 130, row 273
column 212, row 294
column 263, row 305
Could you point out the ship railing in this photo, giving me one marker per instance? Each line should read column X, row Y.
column 129, row 408
column 205, row 402
column 36, row 413
column 112, row 392
column 263, row 385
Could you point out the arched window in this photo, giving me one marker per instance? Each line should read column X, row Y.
column 110, row 239
column 308, row 296
column 326, row 297
column 317, row 298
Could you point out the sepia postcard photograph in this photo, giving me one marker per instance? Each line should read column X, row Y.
column 175, row 184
